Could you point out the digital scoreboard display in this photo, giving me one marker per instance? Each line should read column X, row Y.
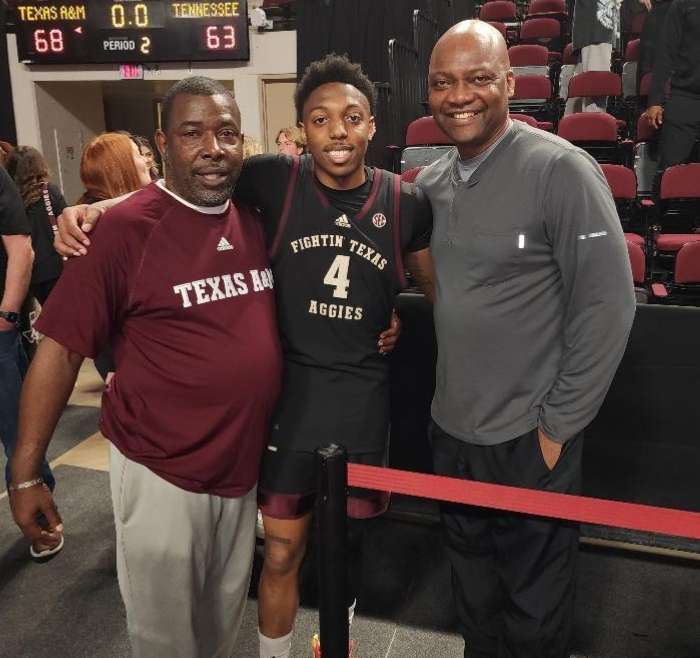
column 100, row 31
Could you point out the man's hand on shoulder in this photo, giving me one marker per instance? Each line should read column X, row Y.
column 74, row 223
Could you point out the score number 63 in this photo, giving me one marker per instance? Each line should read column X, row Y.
column 220, row 37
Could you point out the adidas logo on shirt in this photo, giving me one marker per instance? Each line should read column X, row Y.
column 342, row 221
column 224, row 245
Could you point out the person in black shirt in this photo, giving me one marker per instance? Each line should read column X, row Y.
column 43, row 202
column 340, row 235
column 677, row 64
column 16, row 257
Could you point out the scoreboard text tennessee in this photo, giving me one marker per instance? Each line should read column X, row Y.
column 129, row 31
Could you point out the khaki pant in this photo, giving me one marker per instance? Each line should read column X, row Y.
column 183, row 561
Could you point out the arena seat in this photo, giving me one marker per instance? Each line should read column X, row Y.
column 623, row 185
column 545, row 32
column 638, row 263
column 424, row 131
column 548, row 9
column 597, row 84
column 533, row 96
column 529, row 59
column 595, row 133
column 425, row 143
column 684, row 287
column 502, row 11
column 679, row 207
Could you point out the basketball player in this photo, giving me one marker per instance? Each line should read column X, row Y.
column 340, row 236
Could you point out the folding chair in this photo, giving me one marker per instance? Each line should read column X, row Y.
column 425, row 143
column 533, row 96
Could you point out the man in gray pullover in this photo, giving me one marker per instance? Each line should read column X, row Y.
column 534, row 304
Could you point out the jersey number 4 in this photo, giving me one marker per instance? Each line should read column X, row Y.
column 337, row 276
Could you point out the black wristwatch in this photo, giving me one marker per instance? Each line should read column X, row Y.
column 10, row 316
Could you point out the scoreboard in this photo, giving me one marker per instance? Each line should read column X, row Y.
column 130, row 31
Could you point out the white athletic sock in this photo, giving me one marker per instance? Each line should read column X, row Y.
column 275, row 647
column 351, row 612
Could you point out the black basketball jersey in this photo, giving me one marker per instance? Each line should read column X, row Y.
column 336, row 277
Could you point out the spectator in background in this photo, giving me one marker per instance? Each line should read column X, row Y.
column 112, row 165
column 291, row 141
column 16, row 257
column 595, row 25
column 677, row 64
column 650, row 38
column 43, row 202
column 146, row 152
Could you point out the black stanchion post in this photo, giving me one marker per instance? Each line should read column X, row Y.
column 332, row 550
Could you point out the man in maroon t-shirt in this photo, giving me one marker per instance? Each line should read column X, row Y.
column 178, row 282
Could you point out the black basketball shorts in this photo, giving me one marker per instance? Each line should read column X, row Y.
column 288, row 485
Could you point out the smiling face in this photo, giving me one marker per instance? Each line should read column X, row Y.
column 202, row 148
column 338, row 127
column 469, row 84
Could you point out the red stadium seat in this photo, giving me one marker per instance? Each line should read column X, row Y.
column 528, row 55
column 532, row 87
column 595, row 83
column 632, row 51
column 681, row 182
column 596, row 133
column 425, row 143
column 533, row 96
column 688, row 264
column 623, row 185
column 543, row 31
column 547, row 9
column 499, row 10
column 425, row 131
column 637, row 261
column 679, row 206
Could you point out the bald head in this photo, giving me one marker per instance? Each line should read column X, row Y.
column 469, row 84
column 473, row 35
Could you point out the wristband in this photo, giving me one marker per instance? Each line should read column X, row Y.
column 25, row 485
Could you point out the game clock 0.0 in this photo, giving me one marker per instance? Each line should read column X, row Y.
column 100, row 31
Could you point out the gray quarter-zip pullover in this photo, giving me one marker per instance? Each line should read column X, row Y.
column 534, row 294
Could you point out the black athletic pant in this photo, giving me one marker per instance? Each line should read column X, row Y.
column 679, row 132
column 513, row 576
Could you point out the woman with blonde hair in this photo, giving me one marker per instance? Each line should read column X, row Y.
column 291, row 141
column 112, row 165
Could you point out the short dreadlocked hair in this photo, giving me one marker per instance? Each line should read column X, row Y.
column 333, row 68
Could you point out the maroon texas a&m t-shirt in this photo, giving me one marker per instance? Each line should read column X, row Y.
column 186, row 300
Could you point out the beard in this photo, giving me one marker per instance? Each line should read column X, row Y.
column 186, row 185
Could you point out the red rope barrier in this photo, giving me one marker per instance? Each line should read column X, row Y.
column 660, row 520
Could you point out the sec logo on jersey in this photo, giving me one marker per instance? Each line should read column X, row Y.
column 379, row 220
